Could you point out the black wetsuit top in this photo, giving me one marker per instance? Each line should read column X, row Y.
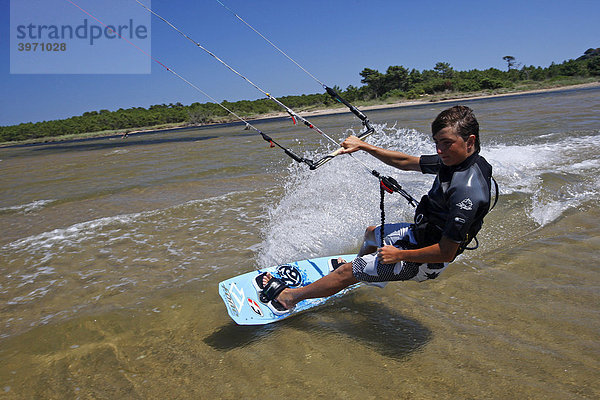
column 457, row 202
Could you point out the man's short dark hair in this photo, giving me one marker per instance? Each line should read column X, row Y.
column 462, row 119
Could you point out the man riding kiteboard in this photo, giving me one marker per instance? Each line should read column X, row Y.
column 446, row 220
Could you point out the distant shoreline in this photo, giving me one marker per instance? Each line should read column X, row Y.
column 434, row 99
column 449, row 98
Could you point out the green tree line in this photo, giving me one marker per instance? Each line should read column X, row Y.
column 396, row 82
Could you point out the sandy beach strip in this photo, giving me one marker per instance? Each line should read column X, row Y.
column 435, row 99
column 459, row 97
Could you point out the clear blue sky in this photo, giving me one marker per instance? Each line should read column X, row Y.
column 333, row 39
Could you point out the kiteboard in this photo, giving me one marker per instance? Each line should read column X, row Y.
column 243, row 301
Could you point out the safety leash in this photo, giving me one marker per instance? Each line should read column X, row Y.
column 390, row 185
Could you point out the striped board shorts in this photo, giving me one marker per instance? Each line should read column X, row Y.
column 368, row 269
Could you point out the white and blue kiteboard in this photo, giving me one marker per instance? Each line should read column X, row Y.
column 242, row 300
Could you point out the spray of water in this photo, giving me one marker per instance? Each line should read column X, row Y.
column 326, row 212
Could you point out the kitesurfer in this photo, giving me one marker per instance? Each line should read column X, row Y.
column 446, row 220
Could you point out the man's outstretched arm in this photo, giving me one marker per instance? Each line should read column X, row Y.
column 390, row 157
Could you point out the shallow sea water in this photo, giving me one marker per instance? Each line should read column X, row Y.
column 112, row 250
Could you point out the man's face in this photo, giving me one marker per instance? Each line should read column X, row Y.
column 451, row 147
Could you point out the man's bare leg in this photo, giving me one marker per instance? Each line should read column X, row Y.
column 370, row 244
column 330, row 284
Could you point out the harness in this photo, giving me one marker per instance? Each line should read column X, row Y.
column 427, row 230
column 465, row 243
